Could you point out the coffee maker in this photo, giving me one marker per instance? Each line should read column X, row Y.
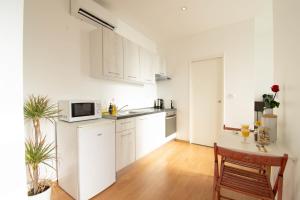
column 159, row 104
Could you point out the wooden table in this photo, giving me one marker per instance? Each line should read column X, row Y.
column 233, row 140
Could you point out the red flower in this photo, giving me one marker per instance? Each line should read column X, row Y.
column 275, row 88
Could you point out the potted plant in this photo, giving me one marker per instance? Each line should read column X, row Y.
column 37, row 151
column 269, row 100
column 269, row 120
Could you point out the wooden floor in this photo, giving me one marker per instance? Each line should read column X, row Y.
column 176, row 171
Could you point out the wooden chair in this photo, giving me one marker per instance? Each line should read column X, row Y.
column 244, row 173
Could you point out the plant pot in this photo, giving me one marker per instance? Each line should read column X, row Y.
column 269, row 122
column 46, row 195
column 268, row 111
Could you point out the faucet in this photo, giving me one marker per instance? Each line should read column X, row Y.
column 122, row 108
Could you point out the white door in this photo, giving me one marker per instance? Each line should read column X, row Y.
column 131, row 61
column 96, row 151
column 112, row 54
column 206, row 100
column 125, row 142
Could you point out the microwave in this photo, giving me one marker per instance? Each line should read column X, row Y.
column 75, row 110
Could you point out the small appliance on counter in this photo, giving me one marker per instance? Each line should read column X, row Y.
column 172, row 104
column 159, row 104
column 79, row 110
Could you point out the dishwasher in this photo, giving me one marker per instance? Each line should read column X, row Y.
column 170, row 122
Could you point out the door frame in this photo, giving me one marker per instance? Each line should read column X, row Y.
column 218, row 56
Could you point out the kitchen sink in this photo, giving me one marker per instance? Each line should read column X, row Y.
column 124, row 113
column 128, row 112
column 145, row 110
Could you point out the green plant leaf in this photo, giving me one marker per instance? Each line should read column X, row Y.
column 39, row 107
column 37, row 154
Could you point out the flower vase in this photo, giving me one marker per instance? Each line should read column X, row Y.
column 269, row 122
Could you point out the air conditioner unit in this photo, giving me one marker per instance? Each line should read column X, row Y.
column 92, row 13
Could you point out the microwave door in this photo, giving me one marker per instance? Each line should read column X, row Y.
column 83, row 109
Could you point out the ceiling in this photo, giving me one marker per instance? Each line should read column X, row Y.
column 164, row 20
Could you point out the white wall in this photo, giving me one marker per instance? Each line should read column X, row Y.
column 56, row 59
column 12, row 168
column 236, row 43
column 263, row 51
column 287, row 70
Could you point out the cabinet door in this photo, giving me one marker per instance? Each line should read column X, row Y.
column 96, row 59
column 156, row 63
column 96, row 158
column 131, row 61
column 163, row 66
column 150, row 133
column 158, row 125
column 112, row 54
column 143, row 145
column 125, row 148
column 146, row 64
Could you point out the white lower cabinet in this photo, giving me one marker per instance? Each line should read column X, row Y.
column 125, row 141
column 136, row 137
column 86, row 157
column 150, row 133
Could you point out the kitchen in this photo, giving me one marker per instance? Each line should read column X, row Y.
column 134, row 108
column 105, row 66
column 104, row 147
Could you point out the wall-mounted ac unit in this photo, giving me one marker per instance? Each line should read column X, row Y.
column 92, row 13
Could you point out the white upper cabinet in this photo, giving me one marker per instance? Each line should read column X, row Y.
column 146, row 64
column 156, row 63
column 162, row 66
column 115, row 57
column 113, row 65
column 131, row 61
column 96, row 53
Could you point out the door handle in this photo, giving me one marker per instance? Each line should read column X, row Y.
column 99, row 134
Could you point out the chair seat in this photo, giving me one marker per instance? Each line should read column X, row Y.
column 247, row 182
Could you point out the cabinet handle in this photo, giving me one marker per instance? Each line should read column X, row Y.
column 123, row 123
column 131, row 76
column 115, row 73
column 124, row 134
column 172, row 117
column 99, row 134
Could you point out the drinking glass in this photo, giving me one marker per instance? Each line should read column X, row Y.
column 245, row 133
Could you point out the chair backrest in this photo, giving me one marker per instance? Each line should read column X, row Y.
column 278, row 161
column 264, row 160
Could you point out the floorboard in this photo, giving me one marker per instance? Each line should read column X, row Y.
column 176, row 171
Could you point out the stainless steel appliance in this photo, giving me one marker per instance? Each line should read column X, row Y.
column 75, row 110
column 170, row 122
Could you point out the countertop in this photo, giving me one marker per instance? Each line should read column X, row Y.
column 136, row 112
